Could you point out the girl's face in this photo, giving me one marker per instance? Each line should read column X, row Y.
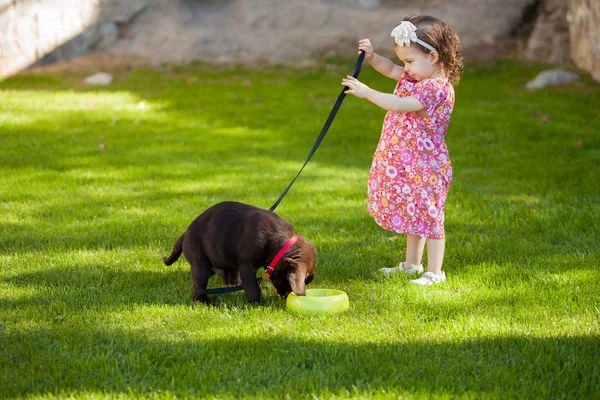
column 419, row 65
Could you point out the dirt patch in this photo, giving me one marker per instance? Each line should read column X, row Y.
column 91, row 63
column 485, row 53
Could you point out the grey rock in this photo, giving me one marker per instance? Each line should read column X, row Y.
column 552, row 77
column 100, row 78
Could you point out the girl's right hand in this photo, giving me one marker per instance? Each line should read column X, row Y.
column 365, row 44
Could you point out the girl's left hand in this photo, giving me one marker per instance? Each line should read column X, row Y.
column 355, row 87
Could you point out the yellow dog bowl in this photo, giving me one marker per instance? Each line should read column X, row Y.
column 328, row 301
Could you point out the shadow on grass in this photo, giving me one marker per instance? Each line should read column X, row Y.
column 113, row 285
column 343, row 242
column 194, row 364
column 120, row 281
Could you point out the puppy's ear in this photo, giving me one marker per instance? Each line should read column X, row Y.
column 296, row 277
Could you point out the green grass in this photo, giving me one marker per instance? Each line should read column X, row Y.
column 88, row 310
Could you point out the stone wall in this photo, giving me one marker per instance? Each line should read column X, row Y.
column 271, row 31
column 294, row 31
column 42, row 31
column 584, row 30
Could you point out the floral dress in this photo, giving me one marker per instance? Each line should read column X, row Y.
column 411, row 170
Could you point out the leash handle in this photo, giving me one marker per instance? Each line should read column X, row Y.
column 334, row 110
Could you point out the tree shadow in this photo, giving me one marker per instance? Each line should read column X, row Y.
column 195, row 364
column 113, row 286
column 97, row 287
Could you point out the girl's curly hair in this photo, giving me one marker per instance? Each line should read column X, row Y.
column 436, row 33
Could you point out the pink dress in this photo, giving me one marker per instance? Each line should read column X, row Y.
column 411, row 170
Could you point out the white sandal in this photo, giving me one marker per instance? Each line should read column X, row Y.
column 429, row 278
column 400, row 268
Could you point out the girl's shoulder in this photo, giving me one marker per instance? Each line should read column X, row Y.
column 432, row 93
column 406, row 77
column 435, row 83
column 405, row 85
column 441, row 88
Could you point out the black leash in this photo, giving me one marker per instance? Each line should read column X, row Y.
column 332, row 114
column 320, row 138
column 222, row 290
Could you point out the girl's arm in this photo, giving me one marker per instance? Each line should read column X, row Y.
column 381, row 64
column 384, row 100
column 386, row 67
column 394, row 103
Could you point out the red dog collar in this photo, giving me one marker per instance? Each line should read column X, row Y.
column 269, row 270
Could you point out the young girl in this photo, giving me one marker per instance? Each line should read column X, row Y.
column 411, row 171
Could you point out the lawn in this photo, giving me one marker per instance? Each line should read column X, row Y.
column 98, row 183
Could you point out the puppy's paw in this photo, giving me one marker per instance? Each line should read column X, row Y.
column 199, row 297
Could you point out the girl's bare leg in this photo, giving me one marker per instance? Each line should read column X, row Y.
column 435, row 255
column 414, row 251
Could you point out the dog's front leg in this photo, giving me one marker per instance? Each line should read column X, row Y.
column 249, row 282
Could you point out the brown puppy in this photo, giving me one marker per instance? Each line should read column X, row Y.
column 238, row 239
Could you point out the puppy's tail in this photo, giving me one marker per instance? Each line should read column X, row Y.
column 177, row 249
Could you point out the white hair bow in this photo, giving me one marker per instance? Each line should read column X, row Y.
column 404, row 33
